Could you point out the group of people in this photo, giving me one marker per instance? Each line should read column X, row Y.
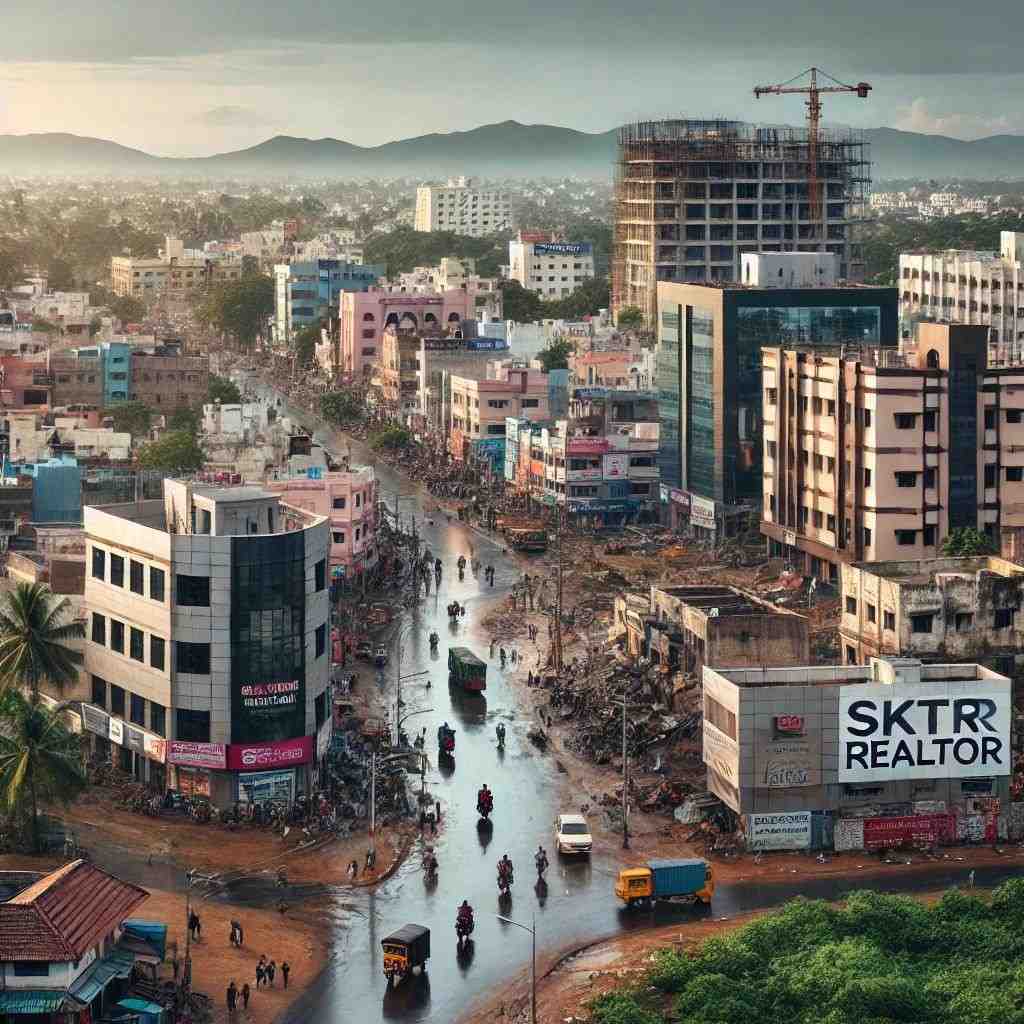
column 266, row 972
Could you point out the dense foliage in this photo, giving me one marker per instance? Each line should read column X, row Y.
column 524, row 306
column 965, row 541
column 130, row 417
column 177, row 452
column 35, row 629
column 342, row 407
column 555, row 356
column 306, row 341
column 630, row 316
column 239, row 309
column 393, row 438
column 404, row 249
column 880, row 959
column 223, row 390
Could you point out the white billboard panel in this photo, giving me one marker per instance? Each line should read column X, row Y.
column 779, row 831
column 935, row 729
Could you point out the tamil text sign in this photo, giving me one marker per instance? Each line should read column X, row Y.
column 702, row 512
column 196, row 755
column 283, row 754
column 944, row 729
column 779, row 831
column 929, row 829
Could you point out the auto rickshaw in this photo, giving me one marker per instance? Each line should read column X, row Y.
column 405, row 951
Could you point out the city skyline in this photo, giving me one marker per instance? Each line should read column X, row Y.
column 202, row 78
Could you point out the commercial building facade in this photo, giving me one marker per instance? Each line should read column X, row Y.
column 691, row 197
column 462, row 207
column 206, row 646
column 306, row 294
column 709, row 383
column 860, row 757
column 168, row 275
column 554, row 269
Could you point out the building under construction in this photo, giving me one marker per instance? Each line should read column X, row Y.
column 692, row 196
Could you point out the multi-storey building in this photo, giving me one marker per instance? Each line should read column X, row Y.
column 396, row 379
column 364, row 316
column 968, row 287
column 933, row 609
column 878, row 454
column 167, row 275
column 207, row 642
column 348, row 499
column 306, row 294
column 708, row 368
column 479, row 409
column 552, row 268
column 462, row 207
column 164, row 378
column 692, row 196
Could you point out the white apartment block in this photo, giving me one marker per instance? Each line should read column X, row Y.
column 552, row 269
column 462, row 207
column 968, row 287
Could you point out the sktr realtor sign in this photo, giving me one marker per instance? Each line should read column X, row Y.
column 924, row 731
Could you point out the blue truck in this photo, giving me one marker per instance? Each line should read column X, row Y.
column 657, row 880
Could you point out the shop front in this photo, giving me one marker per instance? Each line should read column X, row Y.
column 193, row 765
column 130, row 748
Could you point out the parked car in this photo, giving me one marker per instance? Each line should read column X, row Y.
column 572, row 834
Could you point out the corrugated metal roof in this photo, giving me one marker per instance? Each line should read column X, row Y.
column 117, row 965
column 30, row 1001
column 65, row 913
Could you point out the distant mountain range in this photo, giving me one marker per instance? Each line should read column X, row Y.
column 505, row 150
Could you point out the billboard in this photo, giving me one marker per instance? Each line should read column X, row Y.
column 255, row 787
column 930, row 829
column 96, row 720
column 586, row 446
column 616, row 467
column 779, row 831
column 196, row 755
column 938, row 729
column 561, row 248
column 284, row 754
column 702, row 512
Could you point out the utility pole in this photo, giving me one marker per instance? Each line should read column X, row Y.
column 558, row 595
column 373, row 803
column 625, row 781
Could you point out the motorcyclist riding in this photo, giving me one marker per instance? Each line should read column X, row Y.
column 429, row 862
column 464, row 920
column 484, row 800
column 505, row 872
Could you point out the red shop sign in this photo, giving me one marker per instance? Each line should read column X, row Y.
column 259, row 757
column 880, row 833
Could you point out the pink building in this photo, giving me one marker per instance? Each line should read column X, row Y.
column 480, row 407
column 363, row 316
column 349, row 500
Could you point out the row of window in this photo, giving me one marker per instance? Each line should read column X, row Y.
column 130, row 706
column 923, row 622
column 136, row 648
column 136, row 574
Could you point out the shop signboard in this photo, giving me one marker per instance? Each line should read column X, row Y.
column 196, row 755
column 679, row 497
column 930, row 829
column 116, row 732
column 940, row 729
column 256, row 787
column 155, row 748
column 586, row 446
column 616, row 466
column 135, row 739
column 561, row 248
column 849, row 834
column 702, row 512
column 282, row 754
column 779, row 831
column 96, row 720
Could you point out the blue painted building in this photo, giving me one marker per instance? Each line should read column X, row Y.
column 306, row 293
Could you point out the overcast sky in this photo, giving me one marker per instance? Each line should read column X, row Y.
column 197, row 77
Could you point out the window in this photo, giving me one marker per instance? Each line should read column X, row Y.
column 1003, row 618
column 867, row 417
column 851, row 656
column 929, row 477
column 338, row 503
column 867, row 477
column 772, row 395
column 157, row 719
column 116, row 700
column 990, row 419
column 137, row 644
column 964, row 622
column 99, row 691
column 990, row 475
column 889, row 621
column 921, row 623
column 1015, row 474
column 905, row 420
column 530, row 403
column 720, row 717
column 193, row 726
column 156, row 584
column 866, row 536
column 138, row 709
column 321, row 640
column 193, row 591
column 31, row 969
column 117, row 636
column 871, row 613
column 99, row 563
column 1013, row 415
column 906, row 479
column 117, row 570
column 99, row 628
column 193, row 658
column 136, row 578
column 929, row 536
column 830, row 523
column 156, row 652
column 929, row 421
column 320, row 575
column 906, row 536
column 851, row 606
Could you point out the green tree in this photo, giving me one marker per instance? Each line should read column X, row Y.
column 630, row 316
column 238, row 308
column 35, row 628
column 392, row 438
column 184, row 418
column 40, row 758
column 965, row 542
column 556, row 355
column 305, row 344
column 223, row 390
column 589, row 299
column 519, row 303
column 132, row 417
column 342, row 407
column 43, row 325
column 176, row 453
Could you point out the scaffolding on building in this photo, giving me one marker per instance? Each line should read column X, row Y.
column 656, row 159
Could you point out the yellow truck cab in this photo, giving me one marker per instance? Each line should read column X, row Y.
column 670, row 880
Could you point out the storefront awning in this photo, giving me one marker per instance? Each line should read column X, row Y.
column 117, row 965
column 29, row 1001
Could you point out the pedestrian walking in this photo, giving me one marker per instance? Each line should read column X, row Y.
column 261, row 972
column 271, row 971
column 245, row 996
column 970, row 879
column 437, row 809
column 241, row 935
column 285, row 971
column 232, row 997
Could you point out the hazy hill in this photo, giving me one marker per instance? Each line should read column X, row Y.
column 508, row 149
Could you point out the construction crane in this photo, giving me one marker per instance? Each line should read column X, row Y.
column 813, row 91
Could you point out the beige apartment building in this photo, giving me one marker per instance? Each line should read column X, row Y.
column 168, row 273
column 876, row 455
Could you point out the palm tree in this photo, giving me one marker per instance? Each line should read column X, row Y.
column 34, row 632
column 40, row 758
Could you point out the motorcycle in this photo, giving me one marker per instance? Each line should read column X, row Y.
column 505, row 880
column 429, row 866
column 446, row 742
column 463, row 927
column 485, row 805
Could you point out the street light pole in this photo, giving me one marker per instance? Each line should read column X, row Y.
column 625, row 777
column 533, row 961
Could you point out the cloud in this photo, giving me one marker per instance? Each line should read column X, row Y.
column 230, row 116
column 918, row 117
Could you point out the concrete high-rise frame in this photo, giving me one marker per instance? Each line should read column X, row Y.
column 691, row 196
